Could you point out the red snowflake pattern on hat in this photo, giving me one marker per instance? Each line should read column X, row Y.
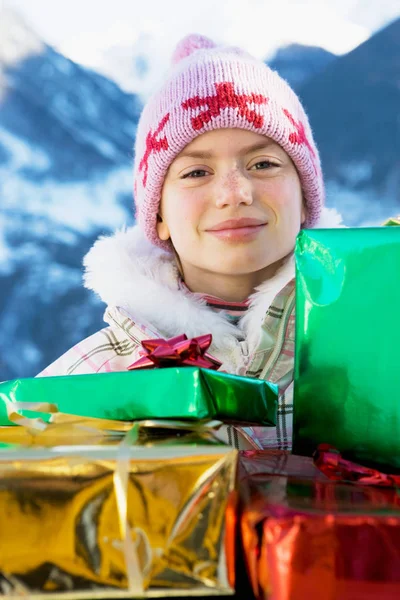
column 224, row 98
column 299, row 137
column 153, row 145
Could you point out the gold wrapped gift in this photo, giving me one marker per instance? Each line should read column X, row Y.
column 72, row 430
column 117, row 521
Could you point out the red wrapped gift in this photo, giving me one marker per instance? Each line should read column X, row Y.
column 306, row 536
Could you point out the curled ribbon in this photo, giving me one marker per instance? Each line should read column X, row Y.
column 176, row 351
column 330, row 462
column 121, row 479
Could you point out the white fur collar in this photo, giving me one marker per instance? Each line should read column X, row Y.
column 129, row 272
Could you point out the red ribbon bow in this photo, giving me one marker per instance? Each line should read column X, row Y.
column 330, row 462
column 177, row 351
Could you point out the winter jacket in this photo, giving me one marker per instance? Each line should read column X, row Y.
column 140, row 284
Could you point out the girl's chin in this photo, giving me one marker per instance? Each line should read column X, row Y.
column 241, row 266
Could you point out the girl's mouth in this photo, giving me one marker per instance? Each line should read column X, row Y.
column 236, row 230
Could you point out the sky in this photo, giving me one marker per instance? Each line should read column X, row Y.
column 86, row 30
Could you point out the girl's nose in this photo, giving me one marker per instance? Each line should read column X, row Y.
column 233, row 189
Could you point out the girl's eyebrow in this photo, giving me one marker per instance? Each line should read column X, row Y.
column 209, row 154
column 195, row 154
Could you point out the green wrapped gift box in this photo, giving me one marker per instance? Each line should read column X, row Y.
column 347, row 362
column 171, row 393
column 392, row 222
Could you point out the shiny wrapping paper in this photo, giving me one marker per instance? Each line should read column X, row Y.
column 392, row 222
column 172, row 393
column 307, row 537
column 130, row 521
column 333, row 465
column 347, row 375
column 70, row 430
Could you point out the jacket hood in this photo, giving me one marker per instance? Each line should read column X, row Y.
column 126, row 271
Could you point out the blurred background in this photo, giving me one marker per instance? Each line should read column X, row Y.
column 73, row 77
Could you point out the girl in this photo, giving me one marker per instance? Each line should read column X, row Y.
column 226, row 173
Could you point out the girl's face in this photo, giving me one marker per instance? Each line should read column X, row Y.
column 231, row 204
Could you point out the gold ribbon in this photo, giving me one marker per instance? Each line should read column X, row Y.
column 121, row 478
column 33, row 424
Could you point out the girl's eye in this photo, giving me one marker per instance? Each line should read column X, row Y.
column 264, row 164
column 195, row 174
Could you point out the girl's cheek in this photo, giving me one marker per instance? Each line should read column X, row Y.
column 281, row 193
column 193, row 205
column 184, row 211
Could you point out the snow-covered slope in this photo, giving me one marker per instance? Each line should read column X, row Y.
column 354, row 108
column 66, row 150
column 298, row 63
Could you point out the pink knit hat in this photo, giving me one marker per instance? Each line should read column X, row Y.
column 212, row 87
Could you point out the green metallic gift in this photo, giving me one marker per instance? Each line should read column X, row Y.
column 392, row 222
column 347, row 359
column 169, row 393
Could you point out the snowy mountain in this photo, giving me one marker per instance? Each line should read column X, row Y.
column 134, row 66
column 354, row 108
column 297, row 63
column 66, row 139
